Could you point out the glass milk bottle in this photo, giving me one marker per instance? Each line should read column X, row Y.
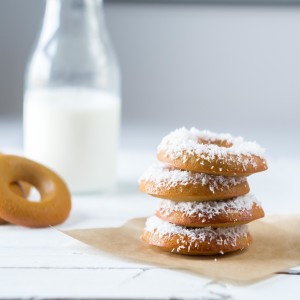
column 72, row 96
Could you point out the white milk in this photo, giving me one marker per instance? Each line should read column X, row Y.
column 74, row 132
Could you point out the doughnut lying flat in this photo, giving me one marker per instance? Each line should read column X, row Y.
column 163, row 181
column 211, row 153
column 195, row 241
column 237, row 211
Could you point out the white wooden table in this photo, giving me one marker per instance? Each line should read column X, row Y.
column 45, row 264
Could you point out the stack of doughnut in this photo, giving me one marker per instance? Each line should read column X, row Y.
column 205, row 200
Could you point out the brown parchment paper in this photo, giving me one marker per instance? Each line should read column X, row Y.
column 276, row 247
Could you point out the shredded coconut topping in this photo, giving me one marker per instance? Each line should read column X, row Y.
column 163, row 176
column 182, row 142
column 209, row 209
column 223, row 236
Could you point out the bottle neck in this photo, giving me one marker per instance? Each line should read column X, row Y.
column 69, row 8
column 74, row 48
column 72, row 17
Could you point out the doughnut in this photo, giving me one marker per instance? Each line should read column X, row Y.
column 2, row 221
column 55, row 203
column 211, row 153
column 236, row 211
column 195, row 241
column 164, row 181
column 22, row 189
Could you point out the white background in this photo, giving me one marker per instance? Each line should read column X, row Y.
column 227, row 68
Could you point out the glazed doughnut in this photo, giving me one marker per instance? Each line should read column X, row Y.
column 55, row 203
column 195, row 241
column 237, row 211
column 211, row 153
column 164, row 181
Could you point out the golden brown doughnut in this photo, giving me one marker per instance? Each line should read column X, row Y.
column 211, row 153
column 195, row 241
column 55, row 203
column 164, row 181
column 22, row 189
column 236, row 211
column 2, row 221
column 25, row 188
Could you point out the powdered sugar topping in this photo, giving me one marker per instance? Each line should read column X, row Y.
column 182, row 141
column 163, row 176
column 209, row 209
column 223, row 236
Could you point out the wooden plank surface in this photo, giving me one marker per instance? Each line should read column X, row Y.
column 44, row 263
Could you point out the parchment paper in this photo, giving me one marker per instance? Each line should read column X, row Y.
column 276, row 247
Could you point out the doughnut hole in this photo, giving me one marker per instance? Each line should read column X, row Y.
column 219, row 143
column 34, row 195
column 26, row 190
